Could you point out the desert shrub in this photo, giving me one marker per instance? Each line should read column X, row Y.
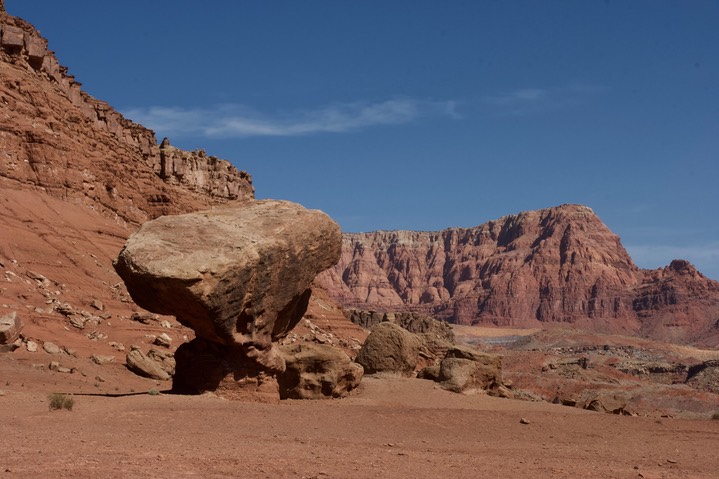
column 61, row 401
column 153, row 392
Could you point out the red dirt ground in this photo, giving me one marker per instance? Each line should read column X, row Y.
column 391, row 427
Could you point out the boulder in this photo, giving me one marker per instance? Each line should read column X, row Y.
column 145, row 366
column 317, row 371
column 239, row 277
column 10, row 327
column 464, row 370
column 390, row 348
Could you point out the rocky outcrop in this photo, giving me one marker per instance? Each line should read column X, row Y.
column 58, row 138
column 239, row 277
column 317, row 371
column 556, row 265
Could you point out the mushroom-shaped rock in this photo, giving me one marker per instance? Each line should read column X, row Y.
column 239, row 277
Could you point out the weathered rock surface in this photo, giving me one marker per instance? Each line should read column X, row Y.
column 239, row 277
column 560, row 265
column 390, row 348
column 317, row 371
column 10, row 327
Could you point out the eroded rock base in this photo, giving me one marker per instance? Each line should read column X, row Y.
column 204, row 366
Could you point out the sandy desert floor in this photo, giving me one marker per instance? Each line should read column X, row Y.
column 391, row 427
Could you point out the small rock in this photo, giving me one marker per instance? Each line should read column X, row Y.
column 98, row 305
column 98, row 359
column 65, row 309
column 166, row 324
column 51, row 348
column 118, row 346
column 54, row 365
column 163, row 340
column 144, row 318
column 523, row 421
column 39, row 278
column 77, row 321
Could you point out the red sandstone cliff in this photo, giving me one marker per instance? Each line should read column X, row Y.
column 56, row 137
column 556, row 265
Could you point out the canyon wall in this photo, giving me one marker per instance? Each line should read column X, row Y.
column 550, row 266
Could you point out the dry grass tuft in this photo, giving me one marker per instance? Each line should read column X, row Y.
column 61, row 401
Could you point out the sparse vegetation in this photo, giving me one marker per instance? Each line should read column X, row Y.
column 715, row 416
column 153, row 392
column 61, row 401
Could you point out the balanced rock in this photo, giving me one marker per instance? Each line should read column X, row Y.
column 389, row 348
column 239, row 277
column 317, row 371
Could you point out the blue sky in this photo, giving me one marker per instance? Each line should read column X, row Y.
column 429, row 114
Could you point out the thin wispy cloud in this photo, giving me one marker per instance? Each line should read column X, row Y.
column 234, row 120
column 526, row 101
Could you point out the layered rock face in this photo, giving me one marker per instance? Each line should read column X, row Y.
column 556, row 265
column 239, row 277
column 56, row 137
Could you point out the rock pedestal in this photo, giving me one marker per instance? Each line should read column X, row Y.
column 239, row 277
